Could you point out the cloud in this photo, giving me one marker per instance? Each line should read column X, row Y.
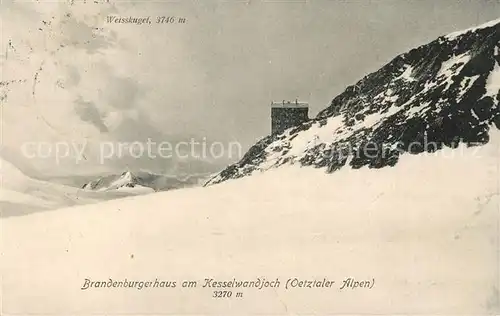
column 88, row 112
column 82, row 34
column 73, row 76
column 121, row 92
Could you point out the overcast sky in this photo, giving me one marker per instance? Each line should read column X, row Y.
column 218, row 73
column 215, row 75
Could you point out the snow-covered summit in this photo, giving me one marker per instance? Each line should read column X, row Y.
column 141, row 180
column 493, row 23
column 441, row 93
column 21, row 194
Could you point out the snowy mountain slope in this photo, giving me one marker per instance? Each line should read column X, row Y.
column 21, row 194
column 428, row 238
column 147, row 180
column 441, row 93
column 426, row 230
column 64, row 95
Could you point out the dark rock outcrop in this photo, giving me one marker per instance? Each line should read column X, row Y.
column 434, row 96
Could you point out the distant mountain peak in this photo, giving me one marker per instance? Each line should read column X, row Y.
column 141, row 180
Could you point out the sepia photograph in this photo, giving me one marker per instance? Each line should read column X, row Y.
column 249, row 157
